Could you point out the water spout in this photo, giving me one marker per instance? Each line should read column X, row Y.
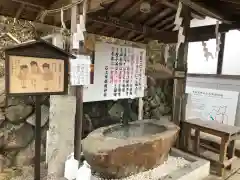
column 125, row 116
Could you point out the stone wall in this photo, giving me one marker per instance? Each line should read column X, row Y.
column 17, row 123
column 17, row 116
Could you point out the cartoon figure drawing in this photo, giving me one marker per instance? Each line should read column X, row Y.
column 47, row 75
column 35, row 71
column 23, row 75
column 34, row 68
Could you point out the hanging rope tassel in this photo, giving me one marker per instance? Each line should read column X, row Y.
column 62, row 19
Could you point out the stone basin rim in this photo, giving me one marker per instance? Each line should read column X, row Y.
column 100, row 143
column 109, row 132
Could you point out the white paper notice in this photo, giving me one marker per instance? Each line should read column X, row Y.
column 80, row 70
column 212, row 105
column 76, row 38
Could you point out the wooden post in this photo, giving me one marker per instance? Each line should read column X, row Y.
column 221, row 53
column 78, row 127
column 37, row 157
column 181, row 66
column 78, row 123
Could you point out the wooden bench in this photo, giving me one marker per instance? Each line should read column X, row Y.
column 228, row 135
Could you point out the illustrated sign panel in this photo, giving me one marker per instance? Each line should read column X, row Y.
column 212, row 105
column 80, row 70
column 35, row 75
column 119, row 73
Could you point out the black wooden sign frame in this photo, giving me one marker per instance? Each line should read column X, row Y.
column 37, row 49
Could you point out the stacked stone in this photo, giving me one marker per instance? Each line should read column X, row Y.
column 17, row 123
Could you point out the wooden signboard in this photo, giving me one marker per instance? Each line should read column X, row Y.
column 35, row 75
column 36, row 68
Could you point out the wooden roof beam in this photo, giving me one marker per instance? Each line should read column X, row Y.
column 204, row 10
column 28, row 4
column 94, row 5
column 175, row 6
column 196, row 34
column 126, row 12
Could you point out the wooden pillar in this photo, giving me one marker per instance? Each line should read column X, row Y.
column 179, row 105
column 221, row 53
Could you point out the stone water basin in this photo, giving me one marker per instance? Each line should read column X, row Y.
column 119, row 151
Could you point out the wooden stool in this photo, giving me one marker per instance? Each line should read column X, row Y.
column 228, row 135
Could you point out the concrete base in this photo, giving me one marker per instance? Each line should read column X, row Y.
column 197, row 170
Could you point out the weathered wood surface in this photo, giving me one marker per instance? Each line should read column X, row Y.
column 227, row 134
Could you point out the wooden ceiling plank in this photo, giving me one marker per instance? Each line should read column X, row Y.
column 129, row 10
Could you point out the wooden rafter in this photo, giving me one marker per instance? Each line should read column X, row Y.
column 174, row 5
column 118, row 33
column 126, row 11
column 159, row 16
column 130, row 9
column 165, row 21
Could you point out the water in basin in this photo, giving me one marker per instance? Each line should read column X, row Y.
column 134, row 130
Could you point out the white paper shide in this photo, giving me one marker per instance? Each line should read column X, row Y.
column 80, row 70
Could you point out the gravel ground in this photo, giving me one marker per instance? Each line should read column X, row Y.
column 172, row 164
column 27, row 173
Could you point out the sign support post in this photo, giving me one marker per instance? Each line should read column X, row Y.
column 35, row 69
column 37, row 167
column 78, row 122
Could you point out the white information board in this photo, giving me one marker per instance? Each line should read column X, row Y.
column 80, row 70
column 119, row 73
column 211, row 104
